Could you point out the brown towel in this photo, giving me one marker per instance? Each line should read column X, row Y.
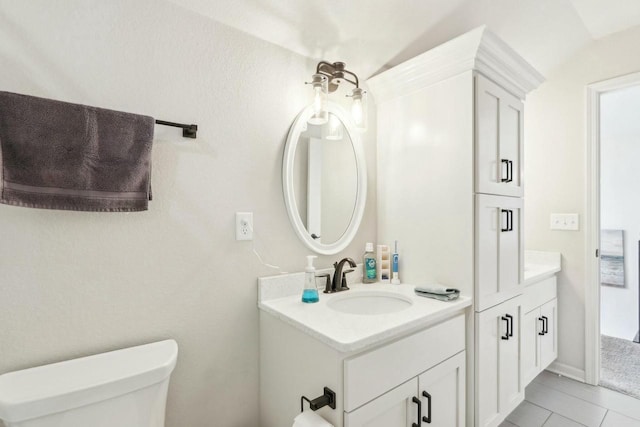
column 57, row 155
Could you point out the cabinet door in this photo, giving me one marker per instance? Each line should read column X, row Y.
column 442, row 392
column 395, row 408
column 499, row 123
column 549, row 341
column 499, row 250
column 498, row 386
column 531, row 327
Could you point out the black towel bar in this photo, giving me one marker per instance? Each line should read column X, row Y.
column 188, row 131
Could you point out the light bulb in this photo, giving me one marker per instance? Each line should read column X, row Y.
column 356, row 111
column 334, row 132
column 359, row 108
column 319, row 104
column 317, row 100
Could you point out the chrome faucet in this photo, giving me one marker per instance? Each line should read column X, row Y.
column 339, row 282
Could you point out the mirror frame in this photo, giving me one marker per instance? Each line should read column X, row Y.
column 299, row 125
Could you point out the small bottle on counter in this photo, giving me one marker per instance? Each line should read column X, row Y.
column 310, row 291
column 369, row 273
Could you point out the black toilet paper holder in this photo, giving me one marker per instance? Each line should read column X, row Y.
column 328, row 398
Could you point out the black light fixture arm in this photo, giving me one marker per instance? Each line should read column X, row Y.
column 335, row 71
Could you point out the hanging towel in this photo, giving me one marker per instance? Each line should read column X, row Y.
column 57, row 155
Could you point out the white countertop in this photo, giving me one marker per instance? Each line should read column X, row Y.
column 539, row 265
column 350, row 332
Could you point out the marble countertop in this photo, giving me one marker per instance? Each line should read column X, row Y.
column 351, row 332
column 539, row 265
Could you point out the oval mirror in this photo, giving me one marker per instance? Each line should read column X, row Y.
column 324, row 180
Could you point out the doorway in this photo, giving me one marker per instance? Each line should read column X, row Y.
column 613, row 235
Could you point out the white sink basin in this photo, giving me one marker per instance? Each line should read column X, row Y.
column 369, row 303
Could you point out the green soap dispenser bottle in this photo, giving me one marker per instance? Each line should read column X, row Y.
column 370, row 272
column 310, row 291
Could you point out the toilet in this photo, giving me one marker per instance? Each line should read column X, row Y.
column 125, row 388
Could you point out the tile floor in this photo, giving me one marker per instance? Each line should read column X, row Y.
column 554, row 401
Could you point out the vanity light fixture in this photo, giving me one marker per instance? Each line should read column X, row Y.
column 327, row 79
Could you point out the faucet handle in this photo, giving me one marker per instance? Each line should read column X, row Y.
column 343, row 283
column 327, row 286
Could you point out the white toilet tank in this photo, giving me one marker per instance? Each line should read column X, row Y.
column 123, row 388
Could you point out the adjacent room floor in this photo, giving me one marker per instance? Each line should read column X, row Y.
column 620, row 366
column 554, row 401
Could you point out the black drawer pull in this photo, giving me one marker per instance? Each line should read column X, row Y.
column 504, row 162
column 509, row 168
column 427, row 419
column 542, row 331
column 506, row 228
column 510, row 317
column 506, row 334
column 545, row 324
column 419, row 403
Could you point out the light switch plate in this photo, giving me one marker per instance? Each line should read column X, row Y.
column 567, row 222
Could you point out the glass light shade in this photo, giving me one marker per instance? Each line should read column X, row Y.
column 359, row 108
column 334, row 128
column 320, row 91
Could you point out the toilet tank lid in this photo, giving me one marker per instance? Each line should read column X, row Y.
column 43, row 390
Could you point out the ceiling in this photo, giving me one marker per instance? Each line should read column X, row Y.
column 371, row 35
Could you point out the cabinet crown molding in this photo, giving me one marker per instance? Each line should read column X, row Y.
column 478, row 50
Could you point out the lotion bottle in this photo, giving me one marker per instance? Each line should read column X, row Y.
column 310, row 291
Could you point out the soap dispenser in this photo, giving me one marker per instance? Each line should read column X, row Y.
column 310, row 291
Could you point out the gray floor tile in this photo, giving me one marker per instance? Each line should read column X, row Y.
column 507, row 424
column 609, row 399
column 614, row 419
column 556, row 420
column 563, row 404
column 528, row 415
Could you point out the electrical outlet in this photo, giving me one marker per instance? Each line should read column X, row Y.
column 244, row 225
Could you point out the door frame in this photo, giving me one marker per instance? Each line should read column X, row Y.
column 592, row 220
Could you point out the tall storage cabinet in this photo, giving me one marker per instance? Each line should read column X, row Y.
column 450, row 186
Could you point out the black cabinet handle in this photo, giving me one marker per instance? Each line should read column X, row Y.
column 419, row 403
column 506, row 334
column 545, row 321
column 509, row 226
column 510, row 171
column 427, row 419
column 504, row 162
column 504, row 211
column 510, row 317
column 509, row 168
column 542, row 331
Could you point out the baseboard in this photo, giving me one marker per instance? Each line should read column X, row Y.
column 567, row 371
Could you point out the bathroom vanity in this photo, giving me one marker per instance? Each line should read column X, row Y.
column 388, row 354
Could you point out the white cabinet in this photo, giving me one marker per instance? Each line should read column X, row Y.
column 539, row 334
column 499, row 249
column 499, row 387
column 499, row 119
column 396, row 408
column 450, row 182
column 384, row 385
column 436, row 398
column 442, row 393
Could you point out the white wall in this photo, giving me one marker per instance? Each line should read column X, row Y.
column 620, row 203
column 555, row 172
column 74, row 283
